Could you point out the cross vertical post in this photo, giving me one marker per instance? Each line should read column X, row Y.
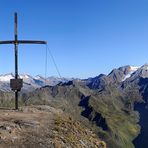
column 17, row 83
column 16, row 57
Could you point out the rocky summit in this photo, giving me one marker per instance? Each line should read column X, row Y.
column 44, row 126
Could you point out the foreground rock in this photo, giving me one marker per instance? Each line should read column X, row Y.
column 44, row 126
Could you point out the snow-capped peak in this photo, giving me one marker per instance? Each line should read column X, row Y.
column 6, row 77
column 29, row 83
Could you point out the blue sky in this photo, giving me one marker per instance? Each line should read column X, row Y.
column 86, row 37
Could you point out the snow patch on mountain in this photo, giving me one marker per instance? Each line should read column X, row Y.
column 132, row 70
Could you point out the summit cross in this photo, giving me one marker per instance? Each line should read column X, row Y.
column 16, row 84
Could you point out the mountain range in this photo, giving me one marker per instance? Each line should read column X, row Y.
column 31, row 83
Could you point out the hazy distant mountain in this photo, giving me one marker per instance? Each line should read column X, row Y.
column 30, row 83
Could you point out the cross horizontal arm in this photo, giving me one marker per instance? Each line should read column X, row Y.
column 31, row 42
column 7, row 42
column 23, row 42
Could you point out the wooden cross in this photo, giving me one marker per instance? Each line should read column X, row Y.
column 16, row 84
